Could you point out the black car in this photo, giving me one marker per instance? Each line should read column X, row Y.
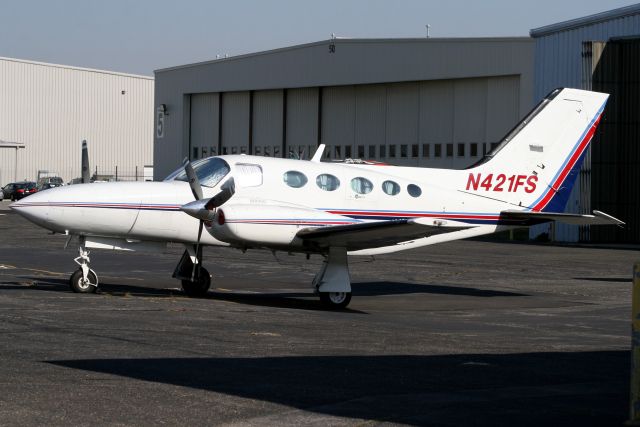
column 18, row 190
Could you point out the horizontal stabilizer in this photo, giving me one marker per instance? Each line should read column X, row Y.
column 366, row 235
column 598, row 218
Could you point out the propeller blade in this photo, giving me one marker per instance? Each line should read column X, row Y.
column 196, row 189
column 227, row 190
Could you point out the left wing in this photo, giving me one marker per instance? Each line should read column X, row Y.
column 367, row 235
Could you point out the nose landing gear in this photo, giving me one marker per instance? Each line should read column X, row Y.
column 84, row 279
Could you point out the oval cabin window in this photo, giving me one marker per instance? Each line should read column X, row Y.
column 327, row 182
column 391, row 188
column 414, row 190
column 294, row 179
column 361, row 185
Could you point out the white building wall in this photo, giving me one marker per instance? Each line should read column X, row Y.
column 51, row 109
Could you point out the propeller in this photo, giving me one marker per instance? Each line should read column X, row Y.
column 204, row 209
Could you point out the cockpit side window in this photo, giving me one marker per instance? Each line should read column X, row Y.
column 209, row 171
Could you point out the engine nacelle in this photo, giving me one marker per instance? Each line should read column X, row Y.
column 265, row 225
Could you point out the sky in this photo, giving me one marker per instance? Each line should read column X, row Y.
column 139, row 36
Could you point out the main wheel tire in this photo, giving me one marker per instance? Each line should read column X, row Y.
column 335, row 300
column 77, row 284
column 200, row 287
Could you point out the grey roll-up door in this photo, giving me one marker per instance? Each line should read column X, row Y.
column 370, row 118
column 436, row 119
column 503, row 106
column 267, row 121
column 338, row 119
column 302, row 119
column 235, row 122
column 470, row 120
column 204, row 125
column 403, row 103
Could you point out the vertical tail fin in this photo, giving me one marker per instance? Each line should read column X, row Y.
column 537, row 163
column 85, row 163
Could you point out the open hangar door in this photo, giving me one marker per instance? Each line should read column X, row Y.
column 615, row 151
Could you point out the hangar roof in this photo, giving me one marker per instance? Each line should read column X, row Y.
column 69, row 67
column 343, row 40
column 586, row 20
column 344, row 61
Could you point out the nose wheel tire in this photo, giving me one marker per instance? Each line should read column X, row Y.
column 199, row 287
column 79, row 285
column 335, row 300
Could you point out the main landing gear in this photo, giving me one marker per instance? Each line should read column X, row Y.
column 195, row 280
column 333, row 282
column 84, row 279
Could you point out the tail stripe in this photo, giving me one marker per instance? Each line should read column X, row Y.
column 569, row 163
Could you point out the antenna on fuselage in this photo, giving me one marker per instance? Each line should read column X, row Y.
column 318, row 154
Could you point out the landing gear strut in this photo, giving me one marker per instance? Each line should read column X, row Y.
column 84, row 279
column 195, row 281
column 333, row 282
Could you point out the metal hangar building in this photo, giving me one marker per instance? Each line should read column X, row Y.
column 599, row 52
column 46, row 110
column 419, row 102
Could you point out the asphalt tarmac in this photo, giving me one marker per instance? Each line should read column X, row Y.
column 465, row 333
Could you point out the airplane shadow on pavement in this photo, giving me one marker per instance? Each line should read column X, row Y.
column 529, row 389
column 295, row 300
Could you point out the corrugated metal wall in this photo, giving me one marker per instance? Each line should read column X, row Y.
column 559, row 63
column 51, row 109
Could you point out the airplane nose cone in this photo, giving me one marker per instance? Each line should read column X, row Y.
column 34, row 208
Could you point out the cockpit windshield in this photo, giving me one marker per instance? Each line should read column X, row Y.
column 209, row 171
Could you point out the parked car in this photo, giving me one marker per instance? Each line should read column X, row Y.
column 18, row 190
column 56, row 181
column 48, row 185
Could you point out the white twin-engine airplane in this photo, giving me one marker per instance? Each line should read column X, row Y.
column 331, row 209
